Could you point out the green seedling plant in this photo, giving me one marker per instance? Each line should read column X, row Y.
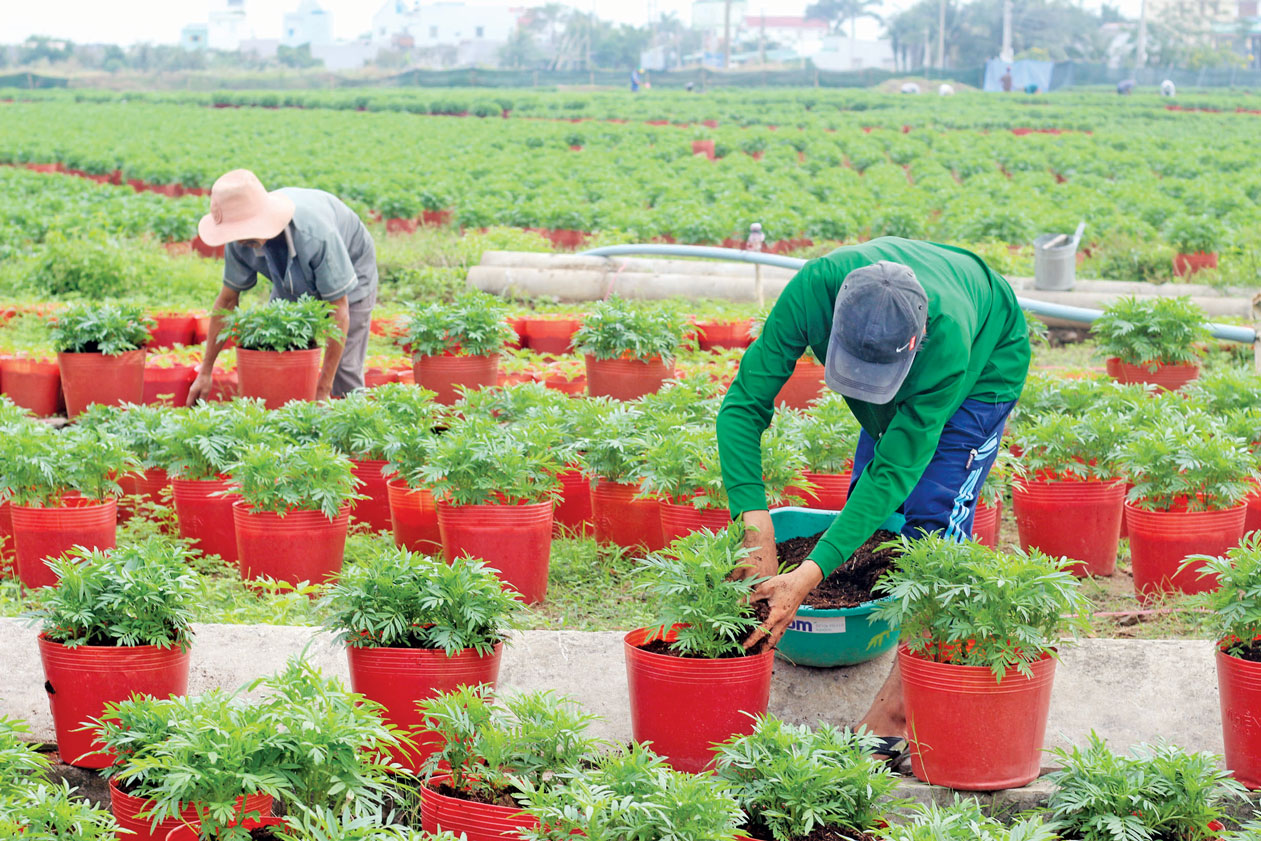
column 472, row 325
column 965, row 604
column 324, row 824
column 683, row 465
column 1234, row 607
column 138, row 427
column 400, row 599
column 1156, row 793
column 203, row 442
column 299, row 421
column 478, row 462
column 495, row 751
column 313, row 477
column 1060, row 447
column 361, row 424
column 1188, row 464
column 11, row 413
column 632, row 795
column 17, row 759
column 513, row 403
column 965, row 820
column 111, row 329
column 614, row 448
column 1226, row 390
column 137, row 594
column 1045, row 394
column 1151, row 331
column 1193, row 234
column 407, row 406
column 620, row 329
column 826, row 434
column 281, row 325
column 692, row 399
column 692, row 594
column 791, row 780
column 39, row 468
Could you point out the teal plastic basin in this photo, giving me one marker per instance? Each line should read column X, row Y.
column 827, row 638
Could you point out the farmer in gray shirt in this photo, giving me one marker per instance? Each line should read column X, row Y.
column 306, row 242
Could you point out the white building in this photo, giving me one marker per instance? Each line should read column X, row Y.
column 194, row 36
column 802, row 35
column 310, row 24
column 227, row 27
column 477, row 32
column 841, row 53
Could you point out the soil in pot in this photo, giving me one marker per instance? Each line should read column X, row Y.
column 1252, row 653
column 758, row 832
column 505, row 799
column 851, row 583
column 761, row 610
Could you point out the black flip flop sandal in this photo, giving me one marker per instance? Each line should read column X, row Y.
column 893, row 749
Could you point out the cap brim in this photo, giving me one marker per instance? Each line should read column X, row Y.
column 265, row 224
column 870, row 382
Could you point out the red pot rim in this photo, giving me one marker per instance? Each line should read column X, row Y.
column 54, row 647
column 257, row 354
column 634, row 639
column 1238, row 510
column 298, row 515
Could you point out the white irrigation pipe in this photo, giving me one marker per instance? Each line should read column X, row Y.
column 1081, row 315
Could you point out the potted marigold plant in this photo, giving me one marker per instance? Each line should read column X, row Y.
column 100, row 350
column 1196, row 239
column 209, row 766
column 199, row 445
column 140, row 428
column 117, row 625
column 457, row 345
column 1190, row 482
column 32, row 807
column 1235, row 611
column 1151, row 340
column 632, row 793
column 1158, row 791
column 987, row 516
column 826, row 435
column 977, row 671
column 28, row 370
column 683, row 471
column 792, row 781
column 1072, row 477
column 493, row 754
column 293, row 511
column 414, row 627
column 62, row 490
column 360, row 426
column 629, row 348
column 613, row 461
column 696, row 642
column 278, row 348
column 495, row 491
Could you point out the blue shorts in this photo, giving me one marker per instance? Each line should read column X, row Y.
column 944, row 498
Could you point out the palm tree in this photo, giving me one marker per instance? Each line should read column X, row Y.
column 840, row 11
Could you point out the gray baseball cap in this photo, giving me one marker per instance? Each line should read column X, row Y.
column 878, row 326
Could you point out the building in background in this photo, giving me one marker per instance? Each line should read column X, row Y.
column 195, row 36
column 458, row 33
column 840, row 53
column 227, row 27
column 804, row 36
column 310, row 24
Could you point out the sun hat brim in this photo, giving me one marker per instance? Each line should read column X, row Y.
column 268, row 221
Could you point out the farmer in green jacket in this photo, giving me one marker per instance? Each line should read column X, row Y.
column 930, row 350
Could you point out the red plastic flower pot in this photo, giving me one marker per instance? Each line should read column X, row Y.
column 1161, row 540
column 475, row 821
column 704, row 147
column 8, row 557
column 515, row 540
column 1252, row 521
column 681, row 519
column 81, row 681
column 88, row 378
column 444, row 375
column 985, row 524
column 276, row 377
column 573, row 510
column 622, row 520
column 224, row 386
column 830, row 492
column 1239, row 690
column 168, row 386
column 294, row 547
column 148, row 486
column 711, row 335
column 41, row 533
column 193, row 832
column 1196, row 261
column 206, row 518
column 1076, row 520
column 971, row 732
column 413, row 517
column 1167, row 377
column 803, row 386
column 683, row 706
column 375, row 510
column 201, row 328
column 397, row 678
column 127, row 809
column 551, row 335
column 626, row 379
column 172, row 330
column 33, row 384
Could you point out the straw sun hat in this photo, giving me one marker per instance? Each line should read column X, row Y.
column 241, row 208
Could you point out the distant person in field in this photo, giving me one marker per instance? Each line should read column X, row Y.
column 1126, row 87
column 930, row 349
column 636, row 79
column 1167, row 88
column 1006, row 81
column 307, row 243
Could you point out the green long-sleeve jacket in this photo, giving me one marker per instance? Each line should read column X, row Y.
column 977, row 346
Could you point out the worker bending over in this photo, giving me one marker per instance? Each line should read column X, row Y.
column 930, row 350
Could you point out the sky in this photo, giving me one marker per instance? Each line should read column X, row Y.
column 159, row 21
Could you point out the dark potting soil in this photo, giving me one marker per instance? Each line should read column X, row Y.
column 758, row 831
column 1252, row 653
column 851, row 583
column 264, row 833
column 476, row 797
column 761, row 610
